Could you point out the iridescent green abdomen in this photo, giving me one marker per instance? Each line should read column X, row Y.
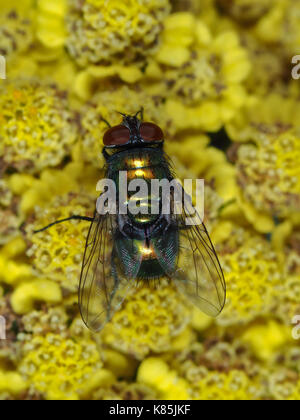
column 135, row 245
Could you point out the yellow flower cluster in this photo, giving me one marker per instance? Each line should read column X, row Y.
column 58, row 252
column 59, row 368
column 233, row 386
column 9, row 221
column 152, row 320
column 102, row 31
column 125, row 391
column 215, row 75
column 246, row 11
column 281, row 26
column 16, row 34
column 37, row 128
column 269, row 175
column 253, row 276
column 204, row 73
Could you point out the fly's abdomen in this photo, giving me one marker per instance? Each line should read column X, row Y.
column 155, row 260
column 143, row 207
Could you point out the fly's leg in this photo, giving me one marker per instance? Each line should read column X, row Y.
column 83, row 218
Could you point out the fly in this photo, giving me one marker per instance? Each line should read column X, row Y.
column 125, row 249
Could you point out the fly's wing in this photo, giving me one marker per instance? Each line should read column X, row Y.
column 103, row 287
column 198, row 275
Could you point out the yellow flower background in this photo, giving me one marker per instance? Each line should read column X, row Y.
column 216, row 75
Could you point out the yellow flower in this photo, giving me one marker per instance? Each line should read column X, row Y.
column 246, row 11
column 232, row 386
column 214, row 355
column 281, row 26
column 188, row 5
column 101, row 32
column 37, row 129
column 23, row 7
column 205, row 162
column 105, row 32
column 14, row 272
column 9, row 220
column 253, row 276
column 271, row 68
column 268, row 173
column 121, row 365
column 53, row 319
column 272, row 114
column 27, row 294
column 13, row 269
column 150, row 320
column 267, row 338
column 62, row 369
column 58, row 252
column 87, row 80
column 155, row 373
column 15, row 34
column 50, row 28
column 204, row 75
column 12, row 383
column 33, row 192
column 125, row 391
column 286, row 240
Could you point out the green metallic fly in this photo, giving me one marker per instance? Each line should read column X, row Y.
column 123, row 250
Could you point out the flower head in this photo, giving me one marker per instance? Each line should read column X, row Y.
column 15, row 34
column 204, row 74
column 121, row 390
column 281, row 26
column 246, row 11
column 58, row 252
column 37, row 129
column 102, row 31
column 232, row 386
column 155, row 373
column 268, row 173
column 253, row 276
column 274, row 115
column 59, row 368
column 150, row 320
column 9, row 220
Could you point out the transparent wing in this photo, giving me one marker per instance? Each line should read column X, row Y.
column 103, row 287
column 198, row 274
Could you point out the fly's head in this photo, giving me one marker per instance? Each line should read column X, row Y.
column 133, row 132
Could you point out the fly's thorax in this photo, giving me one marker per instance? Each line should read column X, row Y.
column 135, row 159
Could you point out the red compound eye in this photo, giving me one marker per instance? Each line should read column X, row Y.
column 116, row 136
column 151, row 132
